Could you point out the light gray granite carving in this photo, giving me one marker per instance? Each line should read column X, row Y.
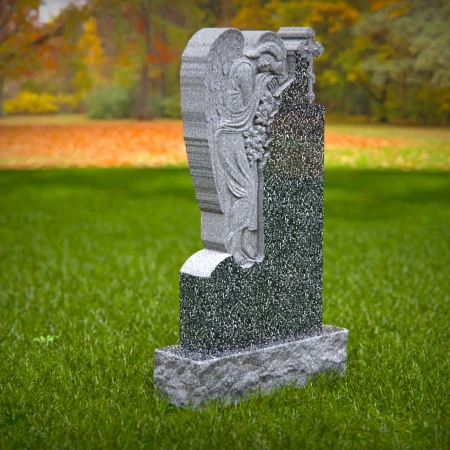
column 190, row 382
column 251, row 300
column 226, row 130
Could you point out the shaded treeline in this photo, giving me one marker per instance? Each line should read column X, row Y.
column 383, row 59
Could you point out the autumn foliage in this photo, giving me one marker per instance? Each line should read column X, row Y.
column 386, row 59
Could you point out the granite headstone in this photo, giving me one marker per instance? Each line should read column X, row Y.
column 251, row 300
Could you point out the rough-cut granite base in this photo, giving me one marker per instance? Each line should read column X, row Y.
column 189, row 381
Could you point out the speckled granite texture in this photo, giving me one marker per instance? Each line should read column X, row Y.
column 281, row 297
column 188, row 382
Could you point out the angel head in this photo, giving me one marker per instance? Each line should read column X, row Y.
column 269, row 58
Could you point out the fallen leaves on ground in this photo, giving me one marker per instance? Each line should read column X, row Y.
column 160, row 143
column 142, row 144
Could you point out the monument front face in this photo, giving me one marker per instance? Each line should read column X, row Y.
column 255, row 151
column 269, row 212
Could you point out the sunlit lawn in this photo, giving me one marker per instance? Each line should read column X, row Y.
column 92, row 256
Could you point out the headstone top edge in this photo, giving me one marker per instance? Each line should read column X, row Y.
column 296, row 33
column 200, row 43
column 301, row 39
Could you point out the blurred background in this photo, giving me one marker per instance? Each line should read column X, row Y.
column 69, row 61
column 384, row 60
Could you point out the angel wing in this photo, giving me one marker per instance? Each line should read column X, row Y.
column 223, row 53
column 205, row 66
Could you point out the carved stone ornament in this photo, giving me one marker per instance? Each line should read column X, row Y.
column 300, row 44
column 231, row 82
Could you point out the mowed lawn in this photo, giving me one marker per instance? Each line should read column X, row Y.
column 91, row 258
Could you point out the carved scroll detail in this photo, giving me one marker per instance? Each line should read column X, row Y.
column 302, row 49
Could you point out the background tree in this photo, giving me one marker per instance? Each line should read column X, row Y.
column 89, row 58
column 398, row 55
column 26, row 44
column 148, row 36
column 384, row 58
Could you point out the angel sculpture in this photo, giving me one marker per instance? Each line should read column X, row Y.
column 243, row 102
column 230, row 87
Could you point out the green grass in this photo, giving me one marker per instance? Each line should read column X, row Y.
column 92, row 257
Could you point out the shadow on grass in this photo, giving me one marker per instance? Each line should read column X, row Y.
column 363, row 195
column 128, row 182
column 349, row 194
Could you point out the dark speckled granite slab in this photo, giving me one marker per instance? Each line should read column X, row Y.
column 281, row 297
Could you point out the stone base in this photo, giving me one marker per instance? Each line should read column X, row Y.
column 190, row 381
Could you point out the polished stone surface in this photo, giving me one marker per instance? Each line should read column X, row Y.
column 281, row 296
column 190, row 382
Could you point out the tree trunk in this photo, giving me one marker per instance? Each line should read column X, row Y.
column 380, row 99
column 382, row 102
column 404, row 99
column 225, row 14
column 2, row 86
column 143, row 111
